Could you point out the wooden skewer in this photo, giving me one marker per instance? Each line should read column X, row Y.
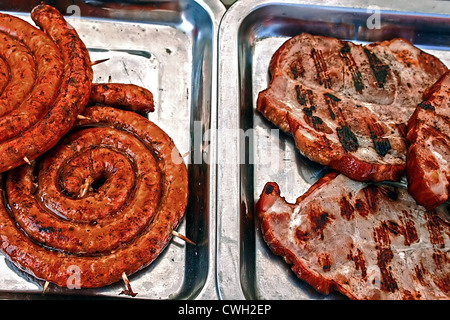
column 34, row 187
column 128, row 291
column 81, row 117
column 182, row 237
column 93, row 63
column 45, row 287
column 187, row 153
column 27, row 160
column 85, row 186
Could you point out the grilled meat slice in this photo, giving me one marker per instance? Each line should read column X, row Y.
column 428, row 157
column 347, row 105
column 367, row 241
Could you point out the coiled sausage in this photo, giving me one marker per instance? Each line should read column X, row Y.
column 59, row 93
column 129, row 96
column 105, row 200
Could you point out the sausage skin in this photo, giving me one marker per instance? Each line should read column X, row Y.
column 138, row 192
column 54, row 102
column 20, row 75
column 120, row 95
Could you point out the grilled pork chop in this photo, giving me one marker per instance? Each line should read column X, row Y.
column 428, row 157
column 365, row 240
column 347, row 105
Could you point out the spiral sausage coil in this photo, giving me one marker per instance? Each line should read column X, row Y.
column 105, row 198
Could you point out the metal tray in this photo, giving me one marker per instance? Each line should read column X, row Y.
column 251, row 151
column 168, row 47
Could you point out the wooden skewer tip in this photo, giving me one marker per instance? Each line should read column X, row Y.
column 187, row 153
column 81, row 117
column 182, row 237
column 128, row 291
column 27, row 160
column 85, row 186
column 93, row 63
column 44, row 289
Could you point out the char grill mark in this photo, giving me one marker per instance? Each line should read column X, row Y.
column 360, row 263
column 325, row 262
column 347, row 138
column 387, row 192
column 406, row 225
column 322, row 76
column 426, row 106
column 297, row 68
column 384, row 257
column 371, row 194
column 319, row 220
column 305, row 98
column 421, row 274
column 361, row 207
column 441, row 260
column 409, row 230
column 332, row 97
column 434, row 223
column 332, row 103
column 352, row 67
column 319, row 125
column 381, row 145
column 379, row 69
column 347, row 210
column 333, row 107
column 302, row 235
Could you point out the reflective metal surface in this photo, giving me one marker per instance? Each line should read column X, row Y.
column 250, row 32
column 169, row 48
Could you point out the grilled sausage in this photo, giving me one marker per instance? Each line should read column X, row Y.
column 4, row 75
column 53, row 104
column 128, row 96
column 105, row 200
column 26, row 98
column 19, row 78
